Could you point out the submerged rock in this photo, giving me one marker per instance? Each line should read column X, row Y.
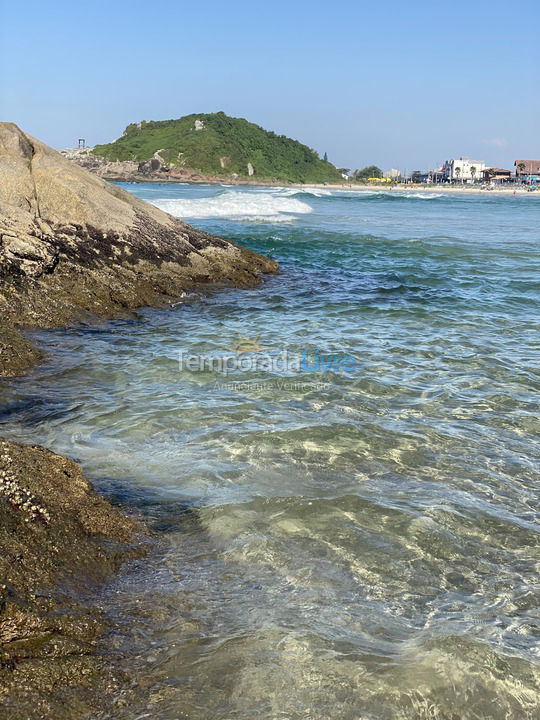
column 72, row 245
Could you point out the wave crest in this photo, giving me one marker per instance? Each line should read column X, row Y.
column 236, row 205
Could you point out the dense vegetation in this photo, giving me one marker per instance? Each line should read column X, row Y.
column 224, row 146
column 371, row 171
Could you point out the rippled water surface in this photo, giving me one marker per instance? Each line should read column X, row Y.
column 354, row 544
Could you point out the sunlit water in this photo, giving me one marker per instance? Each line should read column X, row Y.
column 352, row 544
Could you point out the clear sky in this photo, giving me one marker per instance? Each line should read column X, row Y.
column 395, row 83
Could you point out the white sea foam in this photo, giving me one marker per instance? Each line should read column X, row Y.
column 315, row 192
column 387, row 193
column 235, row 205
column 268, row 204
column 423, row 196
column 291, row 191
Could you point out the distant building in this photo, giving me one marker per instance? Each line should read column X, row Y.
column 433, row 175
column 528, row 170
column 392, row 174
column 463, row 170
column 417, row 176
column 437, row 175
column 496, row 175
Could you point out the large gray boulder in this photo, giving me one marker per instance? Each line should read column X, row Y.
column 72, row 245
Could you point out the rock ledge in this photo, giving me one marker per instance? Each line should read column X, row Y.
column 72, row 246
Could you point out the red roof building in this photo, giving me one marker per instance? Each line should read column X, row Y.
column 527, row 167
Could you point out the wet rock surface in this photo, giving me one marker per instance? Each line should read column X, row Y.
column 72, row 248
column 59, row 541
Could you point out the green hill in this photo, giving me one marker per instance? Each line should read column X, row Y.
column 215, row 144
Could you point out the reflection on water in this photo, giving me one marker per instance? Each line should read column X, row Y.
column 361, row 548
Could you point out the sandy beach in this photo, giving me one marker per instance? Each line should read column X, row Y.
column 356, row 187
column 446, row 189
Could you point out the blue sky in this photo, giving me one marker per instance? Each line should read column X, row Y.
column 400, row 84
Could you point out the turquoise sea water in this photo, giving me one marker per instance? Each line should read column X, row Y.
column 354, row 544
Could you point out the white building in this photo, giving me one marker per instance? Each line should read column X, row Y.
column 463, row 170
column 392, row 174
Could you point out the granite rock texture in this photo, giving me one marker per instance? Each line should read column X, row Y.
column 73, row 246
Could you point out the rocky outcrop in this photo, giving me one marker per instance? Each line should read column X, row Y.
column 58, row 540
column 153, row 170
column 126, row 171
column 150, row 166
column 72, row 246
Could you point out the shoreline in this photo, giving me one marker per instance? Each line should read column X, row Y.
column 75, row 249
column 128, row 172
column 349, row 187
column 432, row 189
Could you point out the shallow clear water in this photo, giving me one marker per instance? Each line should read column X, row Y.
column 355, row 543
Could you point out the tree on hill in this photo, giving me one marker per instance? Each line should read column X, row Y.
column 367, row 172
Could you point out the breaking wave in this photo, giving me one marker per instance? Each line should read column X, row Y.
column 313, row 192
column 386, row 195
column 237, row 205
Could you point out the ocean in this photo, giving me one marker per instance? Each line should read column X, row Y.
column 341, row 465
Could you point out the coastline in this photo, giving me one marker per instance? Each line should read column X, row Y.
column 75, row 248
column 95, row 663
column 443, row 189
column 129, row 172
column 349, row 187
